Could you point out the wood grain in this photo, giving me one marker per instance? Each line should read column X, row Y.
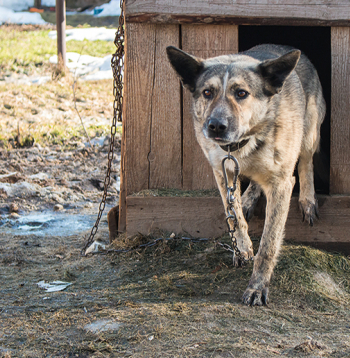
column 202, row 41
column 204, row 217
column 165, row 151
column 340, row 110
column 326, row 12
column 139, row 76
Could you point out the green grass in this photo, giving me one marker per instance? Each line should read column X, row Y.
column 22, row 51
column 83, row 20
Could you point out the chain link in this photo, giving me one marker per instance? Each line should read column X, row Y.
column 231, row 217
column 117, row 64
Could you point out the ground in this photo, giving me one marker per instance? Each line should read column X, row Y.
column 177, row 298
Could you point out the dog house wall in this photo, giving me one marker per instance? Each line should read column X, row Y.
column 159, row 149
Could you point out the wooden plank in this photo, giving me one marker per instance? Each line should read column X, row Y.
column 203, row 41
column 197, row 217
column 340, row 109
column 204, row 217
column 139, row 77
column 165, row 152
column 320, row 12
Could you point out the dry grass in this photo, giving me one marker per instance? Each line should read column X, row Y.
column 174, row 299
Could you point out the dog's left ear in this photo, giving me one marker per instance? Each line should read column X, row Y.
column 187, row 67
column 276, row 71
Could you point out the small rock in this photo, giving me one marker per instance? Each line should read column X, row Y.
column 58, row 207
column 95, row 247
column 13, row 208
column 64, row 182
column 57, row 198
column 14, row 216
column 102, row 326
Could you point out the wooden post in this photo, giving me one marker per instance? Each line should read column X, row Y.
column 61, row 33
column 37, row 4
column 340, row 124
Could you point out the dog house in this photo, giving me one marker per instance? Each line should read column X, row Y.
column 159, row 149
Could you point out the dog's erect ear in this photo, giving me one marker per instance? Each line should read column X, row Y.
column 187, row 67
column 276, row 71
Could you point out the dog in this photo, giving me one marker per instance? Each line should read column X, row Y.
column 265, row 105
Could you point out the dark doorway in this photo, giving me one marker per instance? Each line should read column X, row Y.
column 315, row 42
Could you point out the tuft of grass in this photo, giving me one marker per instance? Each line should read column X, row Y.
column 304, row 275
column 24, row 51
column 46, row 113
column 299, row 269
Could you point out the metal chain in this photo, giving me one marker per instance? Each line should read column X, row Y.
column 117, row 64
column 231, row 217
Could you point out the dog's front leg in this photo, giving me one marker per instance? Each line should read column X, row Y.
column 244, row 243
column 278, row 198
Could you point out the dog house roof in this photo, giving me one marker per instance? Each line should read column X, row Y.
column 262, row 12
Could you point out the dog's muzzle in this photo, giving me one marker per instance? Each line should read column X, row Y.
column 234, row 146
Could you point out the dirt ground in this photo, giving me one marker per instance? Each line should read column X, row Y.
column 177, row 298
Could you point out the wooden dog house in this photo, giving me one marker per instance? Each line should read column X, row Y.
column 159, row 149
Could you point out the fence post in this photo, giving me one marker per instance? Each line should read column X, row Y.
column 61, row 33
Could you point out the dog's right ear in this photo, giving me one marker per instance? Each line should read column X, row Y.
column 187, row 67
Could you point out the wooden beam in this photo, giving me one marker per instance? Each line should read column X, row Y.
column 137, row 105
column 61, row 33
column 340, row 111
column 152, row 110
column 204, row 217
column 277, row 12
column 165, row 147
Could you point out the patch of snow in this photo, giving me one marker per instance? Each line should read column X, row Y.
column 20, row 189
column 48, row 2
column 110, row 9
column 88, row 67
column 54, row 286
column 91, row 34
column 18, row 5
column 9, row 16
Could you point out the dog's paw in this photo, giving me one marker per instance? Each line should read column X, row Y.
column 255, row 297
column 246, row 255
column 309, row 211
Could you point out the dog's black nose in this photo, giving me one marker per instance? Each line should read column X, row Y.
column 216, row 126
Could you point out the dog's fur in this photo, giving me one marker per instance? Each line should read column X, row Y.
column 270, row 95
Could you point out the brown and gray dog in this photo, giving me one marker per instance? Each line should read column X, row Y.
column 267, row 105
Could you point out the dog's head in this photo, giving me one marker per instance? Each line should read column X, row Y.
column 231, row 93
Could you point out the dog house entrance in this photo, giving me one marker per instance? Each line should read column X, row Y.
column 315, row 42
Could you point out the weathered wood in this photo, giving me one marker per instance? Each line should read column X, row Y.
column 165, row 151
column 340, row 118
column 202, row 41
column 122, row 193
column 197, row 217
column 139, row 77
column 204, row 217
column 152, row 112
column 233, row 20
column 113, row 220
column 325, row 12
column 61, row 34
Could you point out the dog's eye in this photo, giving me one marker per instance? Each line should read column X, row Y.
column 207, row 93
column 242, row 94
